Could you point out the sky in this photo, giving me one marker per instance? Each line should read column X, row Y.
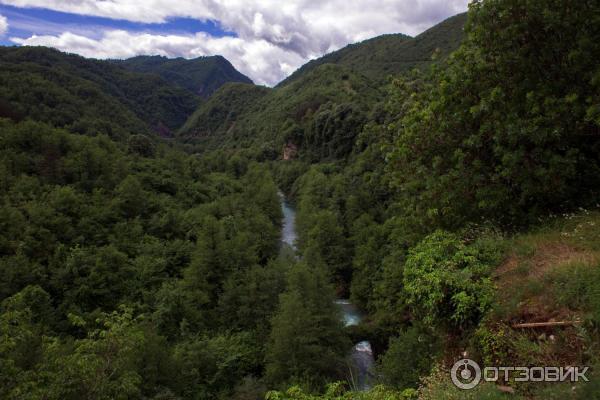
column 266, row 40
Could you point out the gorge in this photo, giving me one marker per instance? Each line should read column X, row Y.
column 361, row 361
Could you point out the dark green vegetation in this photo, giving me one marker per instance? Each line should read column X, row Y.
column 322, row 113
column 132, row 269
column 393, row 54
column 131, row 277
column 419, row 221
column 142, row 95
column 87, row 96
column 323, row 106
column 218, row 115
column 201, row 76
column 449, row 203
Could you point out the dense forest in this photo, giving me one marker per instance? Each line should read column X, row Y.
column 447, row 185
column 201, row 76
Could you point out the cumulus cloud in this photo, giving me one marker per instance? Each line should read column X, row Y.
column 3, row 25
column 272, row 37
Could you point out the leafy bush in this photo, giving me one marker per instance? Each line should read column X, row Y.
column 446, row 282
column 336, row 391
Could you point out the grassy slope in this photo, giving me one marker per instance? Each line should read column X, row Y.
column 549, row 274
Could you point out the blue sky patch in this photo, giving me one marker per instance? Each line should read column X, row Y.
column 25, row 22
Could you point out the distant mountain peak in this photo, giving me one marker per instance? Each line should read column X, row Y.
column 202, row 76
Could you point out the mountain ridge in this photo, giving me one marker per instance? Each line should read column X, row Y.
column 201, row 76
column 337, row 90
column 102, row 96
column 392, row 53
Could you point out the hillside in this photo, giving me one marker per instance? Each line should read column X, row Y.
column 219, row 113
column 386, row 55
column 321, row 108
column 202, row 76
column 307, row 113
column 88, row 96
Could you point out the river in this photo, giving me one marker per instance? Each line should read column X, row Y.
column 361, row 354
column 288, row 230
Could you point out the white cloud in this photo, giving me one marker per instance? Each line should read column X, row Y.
column 264, row 62
column 284, row 33
column 3, row 25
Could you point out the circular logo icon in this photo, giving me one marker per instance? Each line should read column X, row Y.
column 466, row 374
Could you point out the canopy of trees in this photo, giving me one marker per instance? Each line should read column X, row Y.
column 136, row 267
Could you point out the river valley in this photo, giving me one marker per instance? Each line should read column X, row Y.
column 361, row 354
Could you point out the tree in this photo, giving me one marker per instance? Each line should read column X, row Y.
column 408, row 358
column 307, row 343
column 250, row 297
column 131, row 199
column 104, row 365
column 507, row 130
column 212, row 366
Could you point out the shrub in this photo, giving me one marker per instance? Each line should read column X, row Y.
column 446, row 282
column 408, row 357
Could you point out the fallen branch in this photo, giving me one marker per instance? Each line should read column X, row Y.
column 546, row 324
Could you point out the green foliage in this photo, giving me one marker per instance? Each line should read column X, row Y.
column 201, row 76
column 503, row 131
column 386, row 55
column 134, row 270
column 446, row 282
column 142, row 145
column 408, row 358
column 438, row 386
column 89, row 96
column 306, row 344
column 214, row 365
column 323, row 107
column 322, row 113
column 250, row 297
column 577, row 286
column 336, row 391
column 219, row 113
column 90, row 227
column 320, row 224
column 493, row 344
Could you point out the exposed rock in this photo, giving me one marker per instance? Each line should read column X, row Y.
column 290, row 151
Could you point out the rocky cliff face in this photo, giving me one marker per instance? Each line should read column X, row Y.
column 290, row 151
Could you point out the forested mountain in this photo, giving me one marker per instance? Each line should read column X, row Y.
column 201, row 76
column 392, row 54
column 89, row 96
column 454, row 204
column 308, row 112
column 145, row 95
column 338, row 92
column 218, row 115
